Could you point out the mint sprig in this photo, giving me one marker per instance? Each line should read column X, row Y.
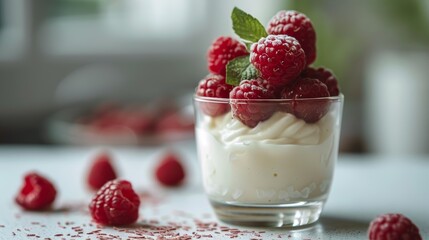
column 240, row 69
column 246, row 26
column 250, row 30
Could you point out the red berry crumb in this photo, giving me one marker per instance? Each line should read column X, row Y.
column 37, row 193
column 279, row 58
column 296, row 25
column 310, row 110
column 101, row 171
column 222, row 50
column 393, row 227
column 244, row 102
column 214, row 86
column 169, row 171
column 325, row 76
column 115, row 203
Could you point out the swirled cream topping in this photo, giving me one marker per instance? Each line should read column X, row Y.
column 280, row 128
column 281, row 159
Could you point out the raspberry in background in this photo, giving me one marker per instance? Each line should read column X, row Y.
column 115, row 204
column 279, row 58
column 393, row 226
column 325, row 76
column 303, row 106
column 174, row 124
column 214, row 86
column 296, row 25
column 245, row 106
column 170, row 171
column 101, row 171
column 222, row 50
column 117, row 120
column 37, row 193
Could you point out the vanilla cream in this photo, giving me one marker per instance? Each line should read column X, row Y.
column 281, row 160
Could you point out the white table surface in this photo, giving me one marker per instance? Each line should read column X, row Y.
column 364, row 186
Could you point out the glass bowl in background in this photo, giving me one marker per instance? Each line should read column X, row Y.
column 152, row 123
column 278, row 171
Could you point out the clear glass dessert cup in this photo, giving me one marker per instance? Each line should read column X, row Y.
column 274, row 171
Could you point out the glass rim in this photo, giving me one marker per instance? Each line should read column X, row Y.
column 339, row 98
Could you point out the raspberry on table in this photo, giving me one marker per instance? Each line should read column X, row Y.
column 115, row 204
column 325, row 76
column 37, row 193
column 101, row 171
column 393, row 226
column 214, row 86
column 169, row 171
column 296, row 25
column 222, row 50
column 245, row 106
column 279, row 58
column 306, row 103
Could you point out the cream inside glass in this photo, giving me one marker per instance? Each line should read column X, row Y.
column 277, row 173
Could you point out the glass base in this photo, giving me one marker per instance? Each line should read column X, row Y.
column 278, row 215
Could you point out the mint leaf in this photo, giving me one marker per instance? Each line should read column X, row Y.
column 249, row 73
column 239, row 69
column 234, row 68
column 246, row 26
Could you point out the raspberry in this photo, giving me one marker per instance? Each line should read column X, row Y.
column 393, row 227
column 296, row 25
column 174, row 124
column 279, row 58
column 216, row 87
column 274, row 92
column 115, row 203
column 169, row 171
column 37, row 193
column 222, row 50
column 310, row 110
column 244, row 102
column 325, row 76
column 118, row 120
column 101, row 171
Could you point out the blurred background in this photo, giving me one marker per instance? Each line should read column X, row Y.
column 82, row 72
